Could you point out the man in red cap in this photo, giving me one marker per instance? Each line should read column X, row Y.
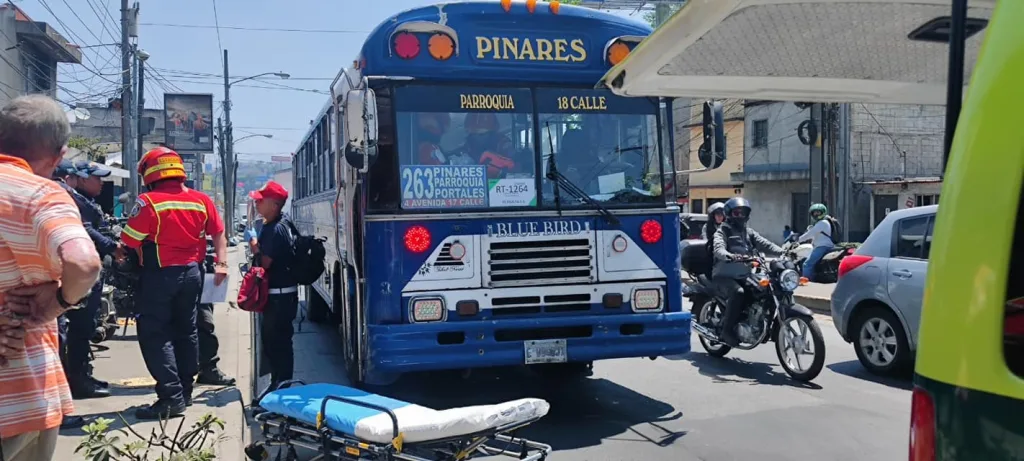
column 274, row 248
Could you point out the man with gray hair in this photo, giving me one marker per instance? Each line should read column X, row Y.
column 48, row 265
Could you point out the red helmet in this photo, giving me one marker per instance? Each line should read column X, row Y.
column 160, row 163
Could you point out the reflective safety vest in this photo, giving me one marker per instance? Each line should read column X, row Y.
column 169, row 225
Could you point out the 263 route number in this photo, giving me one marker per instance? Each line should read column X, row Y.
column 414, row 183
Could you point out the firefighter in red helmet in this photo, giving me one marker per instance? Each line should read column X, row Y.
column 168, row 226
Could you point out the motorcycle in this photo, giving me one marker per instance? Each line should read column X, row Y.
column 769, row 313
column 827, row 269
column 120, row 279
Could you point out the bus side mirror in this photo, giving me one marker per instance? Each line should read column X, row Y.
column 712, row 151
column 361, row 129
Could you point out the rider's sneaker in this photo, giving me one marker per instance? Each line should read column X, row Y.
column 729, row 339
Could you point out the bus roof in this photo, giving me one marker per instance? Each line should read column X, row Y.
column 798, row 50
column 555, row 45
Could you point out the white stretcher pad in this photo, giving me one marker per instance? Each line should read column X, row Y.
column 416, row 423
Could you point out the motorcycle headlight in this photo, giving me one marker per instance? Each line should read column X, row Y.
column 789, row 280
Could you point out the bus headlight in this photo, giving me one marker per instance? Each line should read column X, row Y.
column 427, row 310
column 789, row 280
column 646, row 299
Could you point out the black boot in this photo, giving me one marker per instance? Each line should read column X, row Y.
column 161, row 409
column 72, row 422
column 214, row 377
column 84, row 388
column 98, row 383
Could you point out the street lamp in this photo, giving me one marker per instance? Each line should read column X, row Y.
column 229, row 156
column 243, row 138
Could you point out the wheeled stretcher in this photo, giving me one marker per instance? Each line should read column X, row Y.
column 343, row 423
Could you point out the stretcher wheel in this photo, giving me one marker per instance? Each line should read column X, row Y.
column 257, row 452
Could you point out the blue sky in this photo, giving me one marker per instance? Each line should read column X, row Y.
column 189, row 58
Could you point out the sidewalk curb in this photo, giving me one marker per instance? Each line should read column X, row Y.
column 816, row 304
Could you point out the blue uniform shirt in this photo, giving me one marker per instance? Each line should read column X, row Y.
column 275, row 241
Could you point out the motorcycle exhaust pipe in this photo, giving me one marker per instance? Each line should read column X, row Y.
column 704, row 331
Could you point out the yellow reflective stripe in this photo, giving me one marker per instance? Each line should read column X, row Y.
column 133, row 233
column 186, row 206
column 163, row 166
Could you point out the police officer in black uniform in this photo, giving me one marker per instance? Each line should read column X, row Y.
column 65, row 175
column 88, row 184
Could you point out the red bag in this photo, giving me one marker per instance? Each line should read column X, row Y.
column 252, row 295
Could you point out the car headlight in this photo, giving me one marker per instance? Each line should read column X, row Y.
column 789, row 280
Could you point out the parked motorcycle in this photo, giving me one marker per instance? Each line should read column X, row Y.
column 768, row 314
column 120, row 279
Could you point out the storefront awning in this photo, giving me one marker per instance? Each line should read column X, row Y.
column 798, row 50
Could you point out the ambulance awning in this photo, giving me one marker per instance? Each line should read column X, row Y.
column 798, row 50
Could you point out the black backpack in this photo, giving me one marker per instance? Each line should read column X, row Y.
column 308, row 253
column 837, row 230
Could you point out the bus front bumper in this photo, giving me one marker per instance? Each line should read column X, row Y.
column 491, row 343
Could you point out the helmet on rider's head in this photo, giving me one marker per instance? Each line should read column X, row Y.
column 716, row 208
column 737, row 211
column 818, row 211
column 159, row 164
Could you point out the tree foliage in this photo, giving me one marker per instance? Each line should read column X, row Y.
column 90, row 146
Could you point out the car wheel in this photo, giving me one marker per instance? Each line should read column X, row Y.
column 881, row 342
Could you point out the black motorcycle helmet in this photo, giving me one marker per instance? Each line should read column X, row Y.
column 737, row 211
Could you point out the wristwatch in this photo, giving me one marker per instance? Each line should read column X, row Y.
column 67, row 305
column 220, row 264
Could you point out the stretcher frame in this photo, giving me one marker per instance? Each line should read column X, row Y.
column 282, row 431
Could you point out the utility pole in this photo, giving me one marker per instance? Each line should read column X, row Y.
column 229, row 156
column 223, row 161
column 126, row 101
column 141, row 57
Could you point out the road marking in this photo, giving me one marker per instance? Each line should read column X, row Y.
column 135, row 383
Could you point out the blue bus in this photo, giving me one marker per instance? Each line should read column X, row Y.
column 484, row 205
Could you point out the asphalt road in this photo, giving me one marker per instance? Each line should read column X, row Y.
column 686, row 408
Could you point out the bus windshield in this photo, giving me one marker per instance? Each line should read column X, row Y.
column 475, row 148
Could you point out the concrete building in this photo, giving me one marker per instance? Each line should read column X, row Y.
column 895, row 158
column 104, row 126
column 29, row 53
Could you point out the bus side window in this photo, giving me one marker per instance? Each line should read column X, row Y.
column 1013, row 329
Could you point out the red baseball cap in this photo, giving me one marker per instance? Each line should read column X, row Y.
column 271, row 190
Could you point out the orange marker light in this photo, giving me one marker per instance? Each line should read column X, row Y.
column 763, row 282
column 531, row 6
column 506, row 5
column 441, row 47
column 554, row 6
column 617, row 52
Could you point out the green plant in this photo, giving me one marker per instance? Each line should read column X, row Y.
column 89, row 146
column 196, row 444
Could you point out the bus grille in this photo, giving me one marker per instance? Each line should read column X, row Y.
column 540, row 262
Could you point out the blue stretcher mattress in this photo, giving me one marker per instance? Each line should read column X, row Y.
column 416, row 423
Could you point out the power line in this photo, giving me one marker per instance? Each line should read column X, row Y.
column 277, row 87
column 255, row 29
column 216, row 25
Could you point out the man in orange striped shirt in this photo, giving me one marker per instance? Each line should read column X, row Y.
column 48, row 265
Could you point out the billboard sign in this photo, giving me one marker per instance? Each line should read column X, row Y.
column 188, row 121
column 191, row 165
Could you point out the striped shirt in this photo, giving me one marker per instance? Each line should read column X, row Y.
column 36, row 217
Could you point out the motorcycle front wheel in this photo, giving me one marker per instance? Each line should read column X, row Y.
column 796, row 336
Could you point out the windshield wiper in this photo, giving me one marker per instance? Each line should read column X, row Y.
column 561, row 182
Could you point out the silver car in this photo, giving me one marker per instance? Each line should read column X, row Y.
column 876, row 304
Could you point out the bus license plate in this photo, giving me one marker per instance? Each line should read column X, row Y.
column 545, row 351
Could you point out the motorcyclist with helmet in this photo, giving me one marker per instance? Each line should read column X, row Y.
column 734, row 245
column 716, row 215
column 820, row 235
